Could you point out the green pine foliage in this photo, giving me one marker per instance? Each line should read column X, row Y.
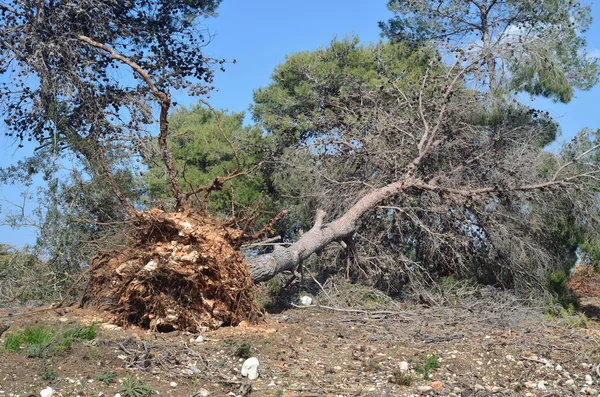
column 201, row 154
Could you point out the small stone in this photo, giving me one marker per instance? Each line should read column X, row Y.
column 404, row 366
column 199, row 339
column 588, row 379
column 250, row 368
column 569, row 382
column 558, row 367
column 118, row 395
column 541, row 385
column 437, row 385
column 424, row 389
column 47, row 392
column 202, row 393
column 173, row 384
column 305, row 300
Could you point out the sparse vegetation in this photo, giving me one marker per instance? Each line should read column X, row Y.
column 567, row 317
column 43, row 341
column 402, row 378
column 431, row 362
column 244, row 351
column 134, row 388
column 107, row 377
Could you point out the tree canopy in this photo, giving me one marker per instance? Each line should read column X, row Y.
column 538, row 47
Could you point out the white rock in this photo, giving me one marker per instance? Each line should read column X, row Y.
column 47, row 392
column 173, row 384
column 250, row 368
column 424, row 389
column 541, row 385
column 203, row 392
column 199, row 339
column 305, row 300
column 558, row 367
column 118, row 395
column 569, row 382
column 588, row 379
column 404, row 366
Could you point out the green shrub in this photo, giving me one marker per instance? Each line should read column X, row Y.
column 244, row 351
column 431, row 362
column 561, row 293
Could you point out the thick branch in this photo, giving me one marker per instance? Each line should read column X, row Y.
column 265, row 267
column 165, row 103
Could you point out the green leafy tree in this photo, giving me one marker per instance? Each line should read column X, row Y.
column 202, row 155
column 537, row 47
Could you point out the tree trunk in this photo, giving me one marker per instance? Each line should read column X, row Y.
column 265, row 267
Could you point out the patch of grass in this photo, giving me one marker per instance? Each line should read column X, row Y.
column 43, row 341
column 402, row 378
column 229, row 342
column 244, row 351
column 37, row 335
column 107, row 377
column 135, row 388
column 431, row 362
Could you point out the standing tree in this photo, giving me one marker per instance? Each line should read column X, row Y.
column 62, row 64
column 532, row 46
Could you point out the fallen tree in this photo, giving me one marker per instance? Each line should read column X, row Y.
column 416, row 135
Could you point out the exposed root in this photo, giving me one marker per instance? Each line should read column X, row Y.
column 183, row 273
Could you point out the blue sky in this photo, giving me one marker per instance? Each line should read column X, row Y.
column 259, row 34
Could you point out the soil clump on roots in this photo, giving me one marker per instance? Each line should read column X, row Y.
column 182, row 272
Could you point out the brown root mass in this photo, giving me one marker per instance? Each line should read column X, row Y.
column 183, row 272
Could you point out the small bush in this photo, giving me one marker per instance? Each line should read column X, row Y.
column 244, row 351
column 561, row 293
column 135, row 388
column 431, row 362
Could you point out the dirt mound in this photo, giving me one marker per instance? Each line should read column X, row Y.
column 183, row 272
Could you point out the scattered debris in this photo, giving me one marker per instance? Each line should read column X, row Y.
column 250, row 368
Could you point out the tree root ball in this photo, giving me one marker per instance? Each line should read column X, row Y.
column 182, row 272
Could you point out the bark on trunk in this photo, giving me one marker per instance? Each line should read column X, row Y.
column 265, row 267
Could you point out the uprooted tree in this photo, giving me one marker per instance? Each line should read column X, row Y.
column 412, row 145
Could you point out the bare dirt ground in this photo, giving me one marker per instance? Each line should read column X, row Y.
column 484, row 347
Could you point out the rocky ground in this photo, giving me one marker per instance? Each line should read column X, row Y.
column 483, row 347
